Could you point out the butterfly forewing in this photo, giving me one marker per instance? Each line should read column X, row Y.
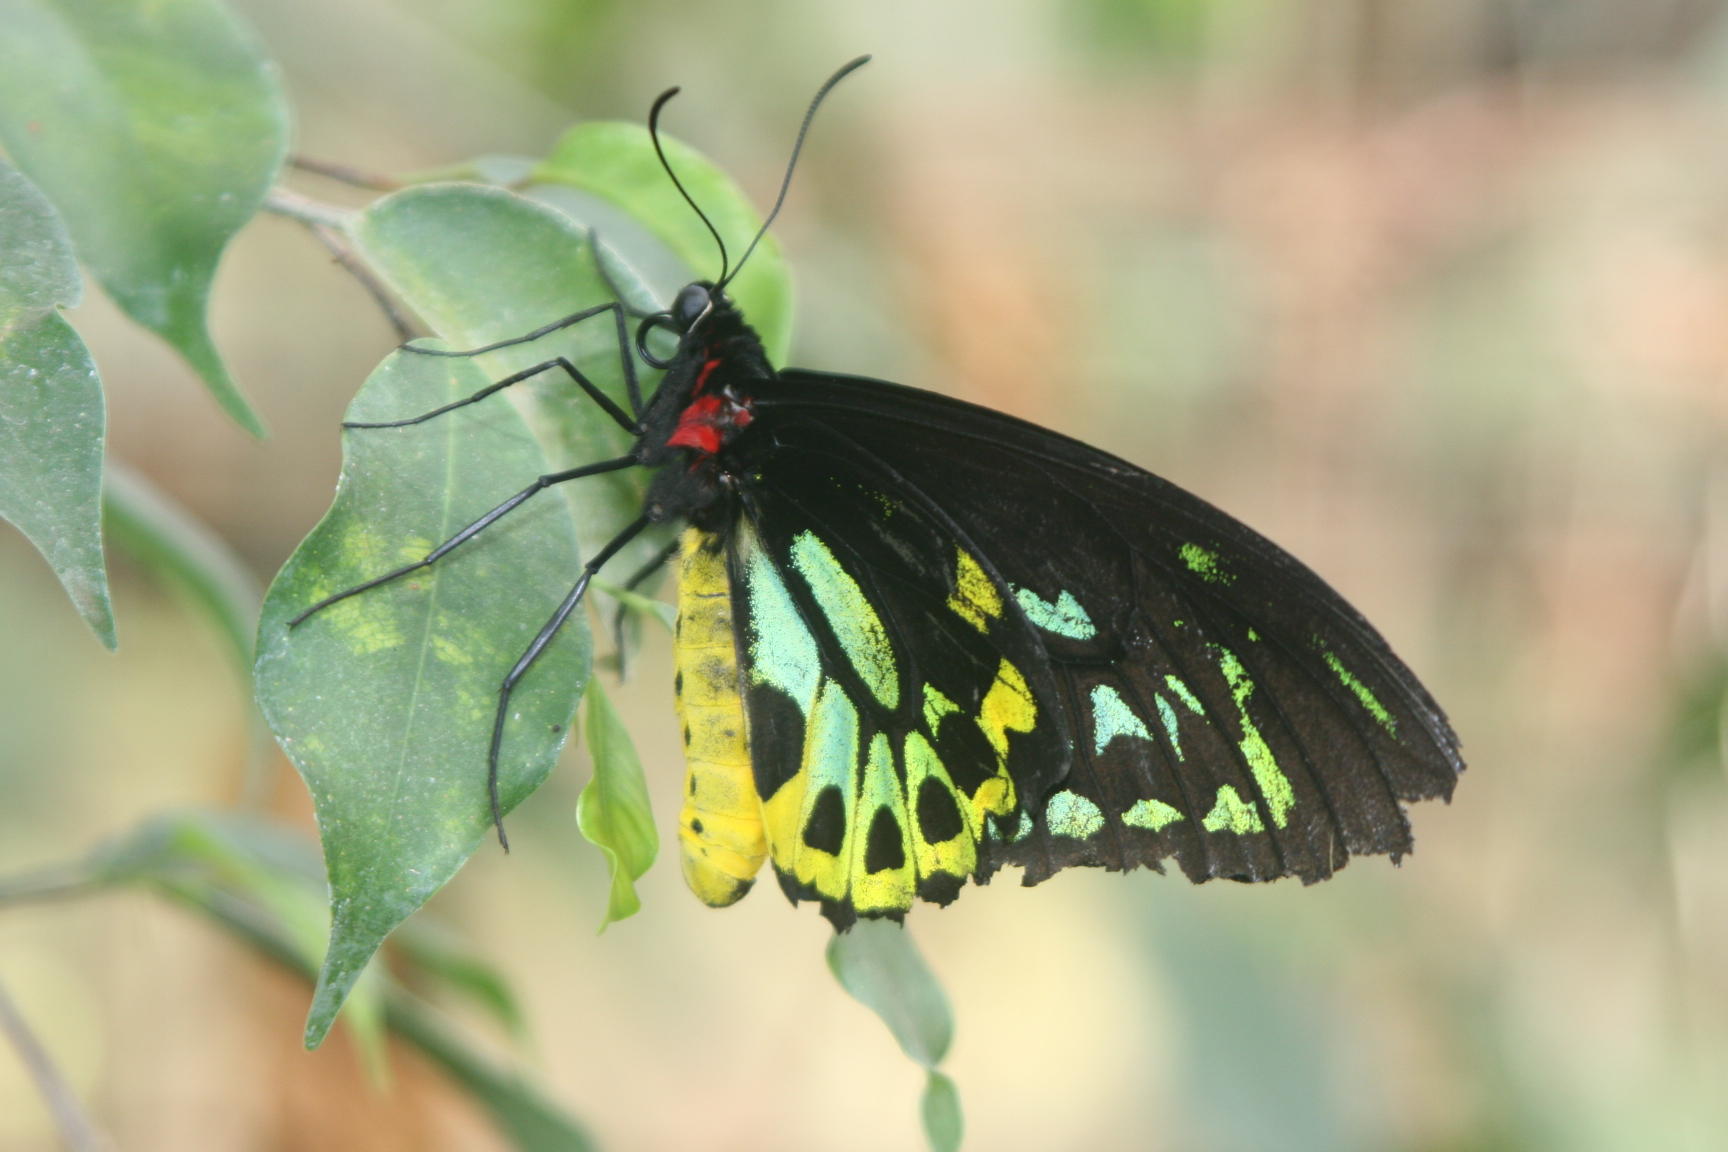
column 1189, row 690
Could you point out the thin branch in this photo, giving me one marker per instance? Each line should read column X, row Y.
column 345, row 174
column 76, row 1128
column 283, row 202
column 344, row 255
column 327, row 223
column 54, row 883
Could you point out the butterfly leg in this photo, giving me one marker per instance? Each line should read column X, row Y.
column 472, row 530
column 606, row 403
column 533, row 653
column 632, row 386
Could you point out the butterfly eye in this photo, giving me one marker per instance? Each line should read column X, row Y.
column 693, row 300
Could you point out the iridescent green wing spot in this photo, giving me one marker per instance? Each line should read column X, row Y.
column 881, row 747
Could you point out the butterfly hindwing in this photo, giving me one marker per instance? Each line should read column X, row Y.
column 890, row 691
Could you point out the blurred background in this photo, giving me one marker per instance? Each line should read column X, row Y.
column 1432, row 292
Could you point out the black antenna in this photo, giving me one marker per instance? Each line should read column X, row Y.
column 654, row 134
column 797, row 147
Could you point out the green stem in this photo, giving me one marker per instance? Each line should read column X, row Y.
column 57, row 882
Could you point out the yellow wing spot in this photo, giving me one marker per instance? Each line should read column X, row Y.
column 975, row 599
column 936, row 706
column 1007, row 707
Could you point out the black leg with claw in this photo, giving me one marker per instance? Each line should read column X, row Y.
column 471, row 530
column 538, row 646
column 631, row 385
column 622, row 419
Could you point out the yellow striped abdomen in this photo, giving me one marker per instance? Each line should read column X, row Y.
column 720, row 826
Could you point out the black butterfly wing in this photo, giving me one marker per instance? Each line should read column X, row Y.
column 894, row 720
column 1200, row 694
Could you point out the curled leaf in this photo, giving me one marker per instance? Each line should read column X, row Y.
column 613, row 811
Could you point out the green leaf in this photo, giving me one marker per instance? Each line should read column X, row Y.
column 51, row 412
column 641, row 605
column 482, row 264
column 156, row 129
column 616, row 161
column 298, row 906
column 187, row 556
column 502, row 169
column 385, row 701
column 877, row 962
column 613, row 811
column 943, row 1123
column 433, row 953
column 531, row 1123
column 197, row 857
column 209, row 859
column 164, row 537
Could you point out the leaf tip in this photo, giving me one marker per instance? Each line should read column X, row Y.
column 87, row 586
column 193, row 342
column 944, row 1123
column 100, row 617
column 334, row 984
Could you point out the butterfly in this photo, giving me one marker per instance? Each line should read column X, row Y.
column 919, row 640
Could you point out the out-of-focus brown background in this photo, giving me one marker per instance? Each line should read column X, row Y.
column 1432, row 292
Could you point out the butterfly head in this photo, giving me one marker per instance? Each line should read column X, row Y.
column 695, row 306
column 693, row 302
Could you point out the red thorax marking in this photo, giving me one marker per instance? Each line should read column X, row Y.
column 706, row 420
column 702, row 377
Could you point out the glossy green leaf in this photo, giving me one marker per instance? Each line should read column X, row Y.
column 51, row 412
column 385, row 701
column 877, row 962
column 613, row 811
column 616, row 161
column 943, row 1123
column 155, row 128
column 167, row 539
column 482, row 264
